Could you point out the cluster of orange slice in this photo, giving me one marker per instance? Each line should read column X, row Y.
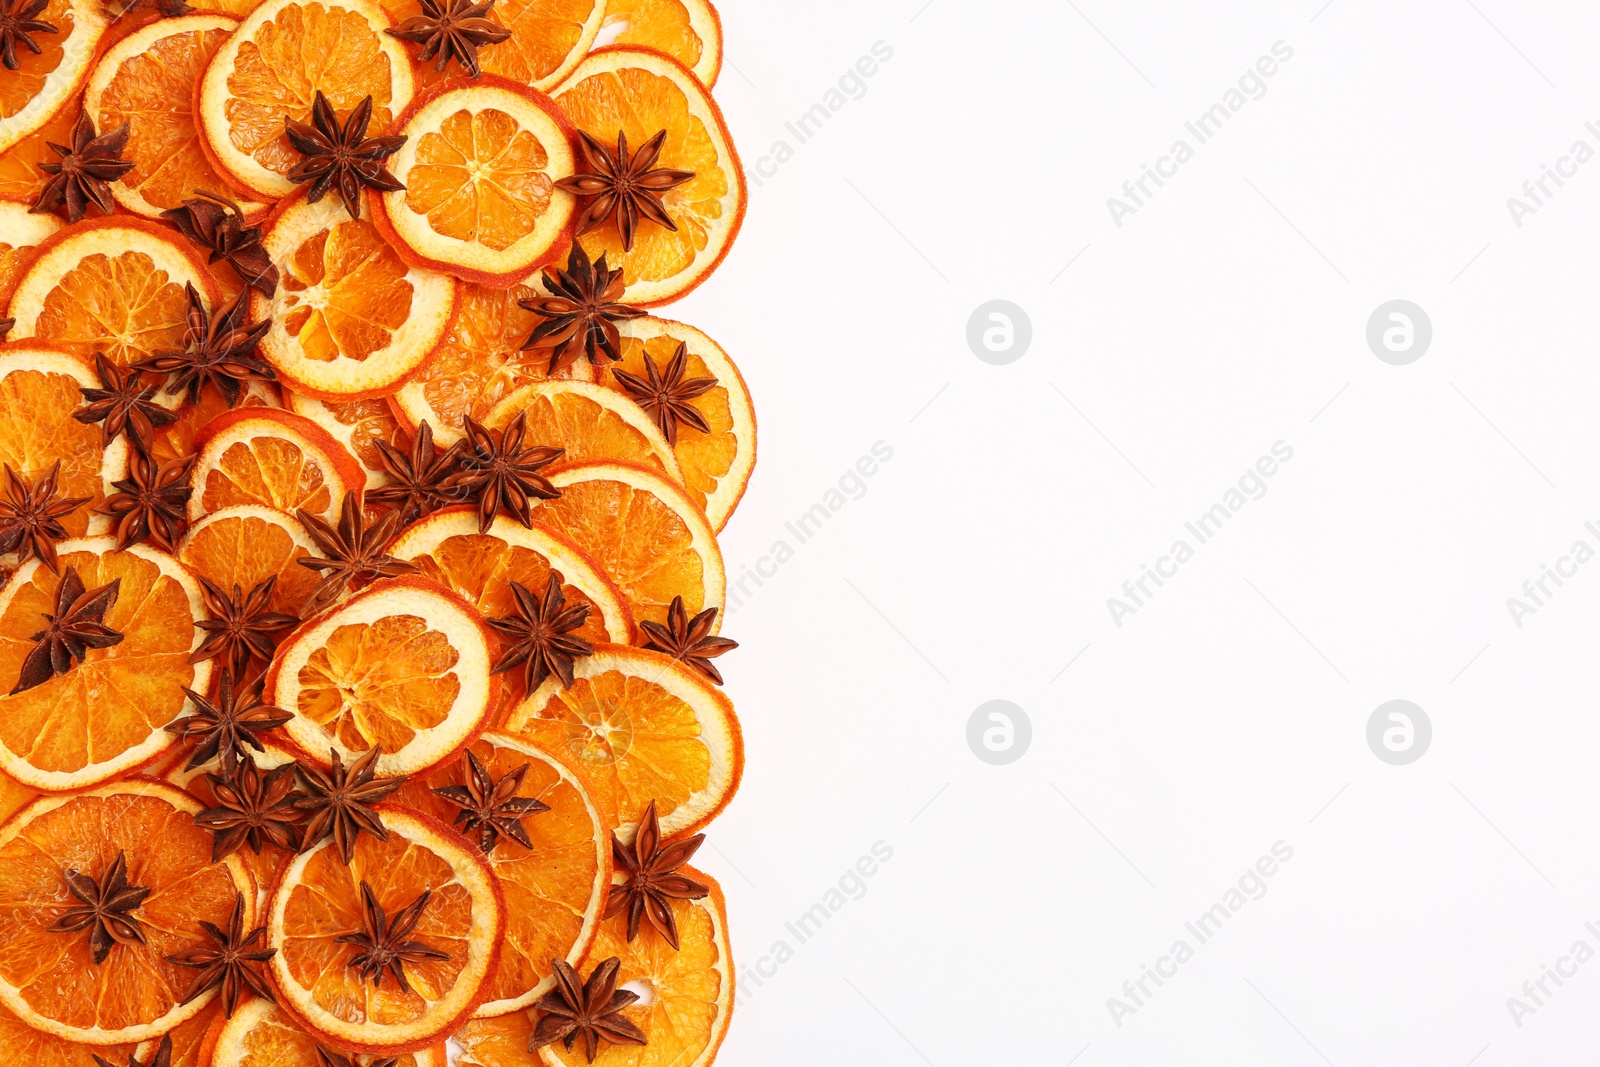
column 394, row 736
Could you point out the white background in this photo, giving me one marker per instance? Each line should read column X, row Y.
column 1230, row 712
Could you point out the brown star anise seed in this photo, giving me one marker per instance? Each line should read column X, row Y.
column 688, row 640
column 416, row 480
column 652, row 878
column 500, row 473
column 452, row 29
column 590, row 1010
column 340, row 801
column 217, row 350
column 354, row 552
column 665, row 395
column 77, row 625
column 240, row 628
column 30, row 517
column 123, row 405
column 18, row 22
column 150, row 504
column 227, row 960
column 539, row 636
column 384, row 943
column 623, row 187
column 85, row 170
column 104, row 908
column 581, row 313
column 222, row 727
column 342, row 158
column 216, row 224
column 491, row 807
column 252, row 809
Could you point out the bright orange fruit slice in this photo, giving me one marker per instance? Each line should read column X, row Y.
column 44, row 85
column 181, row 439
column 548, row 38
column 192, row 1039
column 594, row 424
column 641, row 93
column 20, row 177
column 57, row 736
column 260, row 1034
column 22, row 1044
column 637, row 726
column 556, row 891
column 48, row 979
column 318, row 899
column 350, row 320
column 245, row 545
column 357, row 425
column 21, row 231
column 272, row 458
column 689, row 31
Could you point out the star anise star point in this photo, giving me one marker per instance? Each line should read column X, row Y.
column 452, row 29
column 161, row 1058
column 665, row 395
column 688, row 640
column 491, row 807
column 123, row 405
column 416, row 478
column 223, row 726
column 226, row 961
column 539, row 636
column 18, row 22
column 77, row 625
column 590, row 1011
column 385, row 944
column 621, row 186
column 30, row 517
column 353, row 553
column 84, row 171
column 500, row 473
column 241, row 627
column 216, row 224
column 150, row 504
column 341, row 158
column 581, row 313
column 340, row 802
column 652, row 880
column 104, row 908
column 252, row 808
column 218, row 350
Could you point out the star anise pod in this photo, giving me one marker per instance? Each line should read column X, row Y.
column 653, row 880
column 454, row 29
column 17, row 22
column 500, row 473
column 104, row 908
column 490, row 808
column 340, row 801
column 240, row 627
column 216, row 224
column 77, row 625
column 30, row 517
column 341, row 158
column 217, row 350
column 123, row 405
column 224, row 726
column 589, row 1010
column 416, row 480
column 85, row 171
column 252, row 809
column 150, row 503
column 665, row 395
column 623, row 187
column 384, row 941
column 581, row 313
column 226, row 962
column 5, row 327
column 162, row 1057
column 354, row 552
column 539, row 635
column 327, row 1057
column 688, row 640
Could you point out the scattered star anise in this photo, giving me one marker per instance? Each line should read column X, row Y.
column 453, row 29
column 217, row 350
column 5, row 327
column 490, row 808
column 341, row 158
column 85, row 171
column 500, row 473
column 240, row 627
column 383, row 941
column 30, row 517
column 652, row 877
column 162, row 1057
column 329, row 1058
column 416, row 481
column 226, row 962
column 150, row 503
column 17, row 23
column 665, row 395
column 589, row 1010
column 354, row 552
column 216, row 224
column 105, row 909
column 123, row 405
column 77, row 625
column 540, row 635
column 340, row 801
column 688, row 640
column 252, row 809
column 581, row 313
column 621, row 187
column 223, row 726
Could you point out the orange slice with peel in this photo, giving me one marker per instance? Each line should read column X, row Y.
column 44, row 85
column 548, row 38
column 57, row 736
column 181, row 439
column 21, row 1043
column 273, row 458
column 245, row 545
column 555, row 891
column 643, row 531
column 479, row 167
column 112, row 285
column 479, row 363
column 192, row 1039
column 594, row 424
column 47, row 979
column 20, row 177
column 637, row 726
column 318, row 899
column 271, row 69
column 350, row 320
column 640, row 93
column 357, row 425
column 21, row 231
column 689, row 31
column 260, row 1034
column 403, row 664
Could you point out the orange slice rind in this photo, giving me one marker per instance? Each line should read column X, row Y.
column 272, row 458
column 245, row 545
column 261, row 1034
column 594, row 424
column 21, row 231
column 357, row 425
column 43, row 85
column 689, row 31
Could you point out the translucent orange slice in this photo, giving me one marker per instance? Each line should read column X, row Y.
column 22, row 1044
column 274, row 459
column 44, row 85
column 594, row 424
column 548, row 38
column 192, row 1039
column 20, row 177
column 21, row 231
column 261, row 1034
column 689, row 31
column 357, row 425
column 245, row 545
column 181, row 439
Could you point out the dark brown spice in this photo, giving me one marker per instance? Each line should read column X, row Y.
column 581, row 313
column 162, row 1057
column 18, row 22
column 341, row 158
column 688, row 640
column 383, row 942
column 105, row 909
column 123, row 405
column 653, row 881
column 452, row 29
column 623, row 187
column 252, row 809
column 489, row 807
column 416, row 479
column 665, row 395
column 77, row 625
column 30, row 517
column 222, row 727
column 85, row 170
column 340, row 802
column 218, row 350
column 240, row 628
column 216, row 224
column 540, row 635
column 226, row 961
column 150, row 504
column 503, row 476
column 590, row 1011
column 353, row 553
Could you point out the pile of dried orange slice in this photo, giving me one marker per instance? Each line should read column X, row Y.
column 358, row 533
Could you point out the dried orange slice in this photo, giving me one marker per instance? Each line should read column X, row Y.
column 260, row 1034
column 57, row 736
column 44, row 85
column 689, row 31
column 147, row 80
column 47, row 978
column 20, row 177
column 715, row 466
column 349, row 319
column 319, row 899
column 643, row 531
column 113, row 285
column 272, row 458
column 640, row 93
column 357, row 425
column 479, row 363
column 403, row 664
column 21, row 1043
column 245, row 545
column 637, row 726
column 13, row 796
column 594, row 424
column 271, row 69
column 555, row 891
column 479, row 166
column 548, row 38
column 21, row 231
column 192, row 1039
column 181, row 439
